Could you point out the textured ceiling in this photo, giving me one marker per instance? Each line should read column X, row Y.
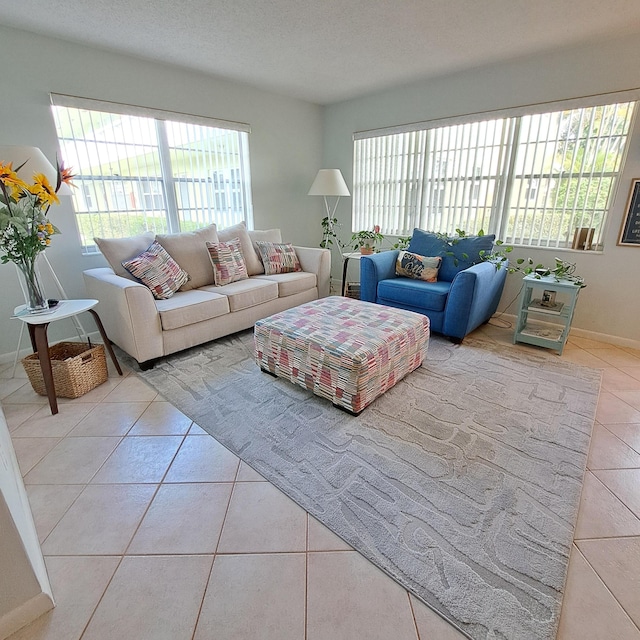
column 325, row 51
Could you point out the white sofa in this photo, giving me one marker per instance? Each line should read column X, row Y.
column 148, row 329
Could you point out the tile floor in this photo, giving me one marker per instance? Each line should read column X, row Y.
column 152, row 530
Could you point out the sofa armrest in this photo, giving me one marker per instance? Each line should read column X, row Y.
column 318, row 261
column 473, row 298
column 128, row 312
column 373, row 268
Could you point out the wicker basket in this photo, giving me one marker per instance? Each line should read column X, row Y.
column 353, row 290
column 77, row 368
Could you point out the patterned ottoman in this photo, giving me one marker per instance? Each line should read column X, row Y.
column 345, row 350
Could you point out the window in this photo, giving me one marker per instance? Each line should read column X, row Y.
column 532, row 189
column 532, row 179
column 141, row 170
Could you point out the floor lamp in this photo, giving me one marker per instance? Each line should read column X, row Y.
column 329, row 183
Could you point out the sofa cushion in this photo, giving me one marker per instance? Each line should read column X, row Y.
column 189, row 307
column 190, row 252
column 464, row 251
column 247, row 293
column 251, row 260
column 430, row 296
column 228, row 262
column 412, row 265
column 278, row 257
column 119, row 250
column 291, row 283
column 158, row 271
column 267, row 235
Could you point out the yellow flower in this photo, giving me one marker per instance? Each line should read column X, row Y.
column 49, row 228
column 10, row 177
column 42, row 188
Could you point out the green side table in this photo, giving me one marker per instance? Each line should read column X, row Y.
column 546, row 311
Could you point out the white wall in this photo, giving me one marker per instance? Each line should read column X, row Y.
column 25, row 592
column 285, row 143
column 610, row 304
column 286, row 146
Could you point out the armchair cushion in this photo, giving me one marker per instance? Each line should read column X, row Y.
column 465, row 251
column 413, row 293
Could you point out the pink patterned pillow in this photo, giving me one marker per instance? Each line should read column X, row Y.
column 278, row 257
column 228, row 262
column 156, row 269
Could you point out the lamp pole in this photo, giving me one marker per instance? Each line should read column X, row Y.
column 330, row 182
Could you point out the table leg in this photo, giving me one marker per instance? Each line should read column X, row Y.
column 40, row 343
column 344, row 275
column 105, row 339
column 15, row 358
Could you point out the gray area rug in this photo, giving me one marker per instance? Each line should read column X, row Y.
column 462, row 482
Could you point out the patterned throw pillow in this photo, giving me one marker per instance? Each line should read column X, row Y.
column 119, row 250
column 251, row 259
column 278, row 257
column 412, row 265
column 156, row 269
column 228, row 262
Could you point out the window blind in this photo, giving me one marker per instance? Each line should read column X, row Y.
column 140, row 169
column 531, row 179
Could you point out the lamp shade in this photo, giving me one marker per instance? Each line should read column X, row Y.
column 329, row 182
column 36, row 163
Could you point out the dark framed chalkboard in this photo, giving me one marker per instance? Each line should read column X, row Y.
column 630, row 231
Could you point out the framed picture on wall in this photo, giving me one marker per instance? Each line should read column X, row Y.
column 630, row 230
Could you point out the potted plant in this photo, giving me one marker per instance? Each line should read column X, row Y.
column 562, row 270
column 366, row 241
column 499, row 256
column 401, row 243
column 25, row 228
column 329, row 235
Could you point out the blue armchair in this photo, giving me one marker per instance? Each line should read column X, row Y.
column 465, row 296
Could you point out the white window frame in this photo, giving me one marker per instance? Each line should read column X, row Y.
column 400, row 205
column 160, row 186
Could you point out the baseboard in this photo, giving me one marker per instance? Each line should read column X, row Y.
column 24, row 614
column 584, row 333
column 604, row 337
column 335, row 287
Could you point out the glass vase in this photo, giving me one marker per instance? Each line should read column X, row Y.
column 31, row 285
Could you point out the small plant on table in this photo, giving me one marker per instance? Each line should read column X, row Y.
column 366, row 240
